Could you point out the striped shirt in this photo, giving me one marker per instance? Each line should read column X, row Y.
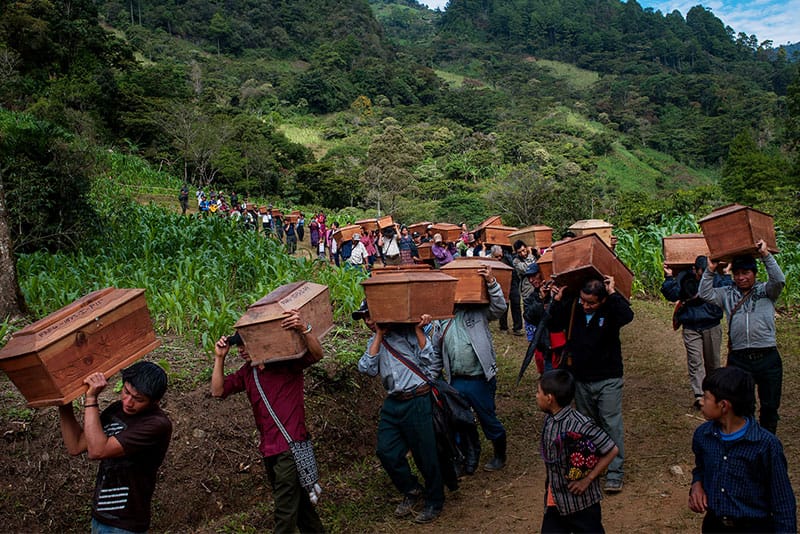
column 555, row 454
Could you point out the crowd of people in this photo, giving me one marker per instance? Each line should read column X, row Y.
column 740, row 479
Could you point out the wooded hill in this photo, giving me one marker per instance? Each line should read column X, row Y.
column 542, row 111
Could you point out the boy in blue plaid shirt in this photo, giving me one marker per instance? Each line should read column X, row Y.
column 575, row 452
column 740, row 478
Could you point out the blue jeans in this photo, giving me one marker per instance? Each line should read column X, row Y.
column 480, row 394
column 602, row 402
column 100, row 528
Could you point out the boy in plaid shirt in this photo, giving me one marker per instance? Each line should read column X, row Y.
column 575, row 452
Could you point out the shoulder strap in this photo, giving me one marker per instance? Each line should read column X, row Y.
column 278, row 423
column 408, row 363
column 446, row 328
column 733, row 311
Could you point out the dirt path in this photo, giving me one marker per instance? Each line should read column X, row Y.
column 659, row 423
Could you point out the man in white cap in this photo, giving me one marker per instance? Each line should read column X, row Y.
column 359, row 255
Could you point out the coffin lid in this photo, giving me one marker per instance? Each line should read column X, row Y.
column 349, row 227
column 278, row 302
column 445, row 226
column 726, row 210
column 532, row 228
column 494, row 220
column 405, row 277
column 387, row 269
column 49, row 329
column 587, row 224
column 476, row 263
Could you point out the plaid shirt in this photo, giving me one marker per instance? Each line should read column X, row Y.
column 746, row 478
column 556, row 460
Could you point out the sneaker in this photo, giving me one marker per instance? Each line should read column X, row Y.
column 406, row 507
column 427, row 515
column 495, row 464
column 518, row 332
column 613, row 486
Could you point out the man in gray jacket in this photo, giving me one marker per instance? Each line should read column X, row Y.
column 750, row 308
column 469, row 362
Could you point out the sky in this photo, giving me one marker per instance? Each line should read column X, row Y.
column 776, row 20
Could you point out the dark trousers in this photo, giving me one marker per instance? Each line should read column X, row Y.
column 767, row 369
column 586, row 520
column 481, row 396
column 515, row 305
column 404, row 425
column 713, row 524
column 293, row 509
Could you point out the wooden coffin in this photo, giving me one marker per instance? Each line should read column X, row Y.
column 262, row 210
column 291, row 218
column 593, row 226
column 734, row 229
column 680, row 250
column 425, row 251
column 403, row 296
column 276, row 213
column 420, row 227
column 497, row 235
column 537, row 236
column 260, row 326
column 450, row 232
column 104, row 331
column 345, row 233
column 385, row 222
column 471, row 288
column 578, row 259
column 494, row 220
column 388, row 269
column 368, row 224
column 545, row 263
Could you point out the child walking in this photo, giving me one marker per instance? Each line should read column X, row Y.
column 740, row 479
column 575, row 452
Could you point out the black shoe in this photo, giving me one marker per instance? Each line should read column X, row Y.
column 518, row 332
column 408, row 505
column 427, row 515
column 495, row 464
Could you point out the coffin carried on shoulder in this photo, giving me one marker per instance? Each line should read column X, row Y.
column 578, row 259
column 403, row 296
column 103, row 332
column 733, row 230
column 471, row 288
column 260, row 326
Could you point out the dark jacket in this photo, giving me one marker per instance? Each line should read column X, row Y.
column 695, row 313
column 594, row 348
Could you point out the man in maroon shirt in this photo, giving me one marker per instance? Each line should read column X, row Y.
column 282, row 383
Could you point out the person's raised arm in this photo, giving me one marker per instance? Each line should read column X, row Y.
column 98, row 445
column 71, row 431
column 221, row 349
column 294, row 322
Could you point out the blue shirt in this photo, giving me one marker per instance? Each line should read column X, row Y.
column 745, row 478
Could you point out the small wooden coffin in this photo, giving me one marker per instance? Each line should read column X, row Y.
column 368, row 224
column 420, row 227
column 276, row 213
column 593, row 226
column 545, row 263
column 102, row 332
column 345, row 233
column 680, row 250
column 385, row 222
column 403, row 296
column 494, row 220
column 387, row 269
column 291, row 218
column 578, row 259
column 538, row 236
column 733, row 230
column 497, row 235
column 260, row 327
column 471, row 288
column 450, row 232
column 262, row 210
column 425, row 251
